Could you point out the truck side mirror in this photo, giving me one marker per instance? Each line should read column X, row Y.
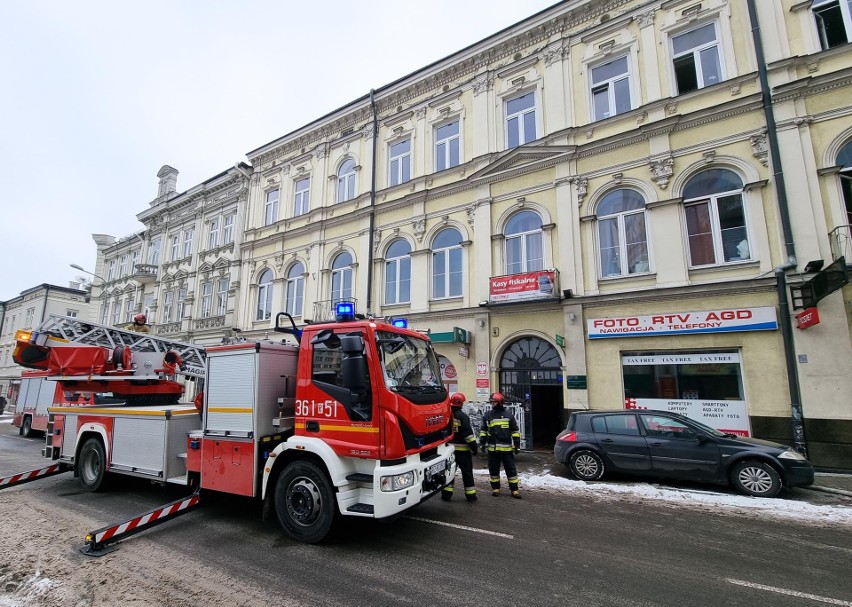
column 352, row 344
column 353, row 370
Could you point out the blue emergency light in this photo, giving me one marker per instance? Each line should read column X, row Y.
column 344, row 310
column 400, row 323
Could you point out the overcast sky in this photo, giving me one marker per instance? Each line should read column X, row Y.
column 96, row 96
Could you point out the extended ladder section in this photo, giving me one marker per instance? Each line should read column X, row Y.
column 91, row 334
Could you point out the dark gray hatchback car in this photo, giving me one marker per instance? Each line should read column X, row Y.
column 669, row 445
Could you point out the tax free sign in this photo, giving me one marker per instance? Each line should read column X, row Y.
column 677, row 323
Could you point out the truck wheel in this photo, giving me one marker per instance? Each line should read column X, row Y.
column 756, row 478
column 27, row 427
column 91, row 465
column 304, row 502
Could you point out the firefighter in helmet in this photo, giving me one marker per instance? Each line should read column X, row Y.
column 501, row 437
column 464, row 441
column 138, row 324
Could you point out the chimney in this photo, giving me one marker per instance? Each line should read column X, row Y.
column 168, row 181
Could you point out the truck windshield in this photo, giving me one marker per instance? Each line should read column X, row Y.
column 408, row 363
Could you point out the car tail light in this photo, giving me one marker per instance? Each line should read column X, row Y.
column 571, row 437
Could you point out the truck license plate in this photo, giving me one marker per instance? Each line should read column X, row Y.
column 435, row 469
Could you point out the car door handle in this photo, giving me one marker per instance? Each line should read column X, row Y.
column 656, row 444
column 607, row 440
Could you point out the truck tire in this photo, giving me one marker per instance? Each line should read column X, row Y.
column 304, row 502
column 27, row 427
column 91, row 465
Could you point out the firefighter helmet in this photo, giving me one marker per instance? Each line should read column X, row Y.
column 140, row 319
column 496, row 399
column 457, row 399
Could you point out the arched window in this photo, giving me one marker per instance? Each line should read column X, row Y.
column 447, row 264
column 264, row 296
column 341, row 278
column 716, row 226
column 346, row 181
column 524, row 250
column 398, row 272
column 622, row 238
column 295, row 290
column 844, row 159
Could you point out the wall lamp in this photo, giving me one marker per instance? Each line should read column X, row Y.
column 483, row 303
column 813, row 266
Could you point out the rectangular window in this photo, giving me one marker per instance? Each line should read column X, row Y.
column 129, row 309
column 154, row 252
column 696, row 59
column 447, row 273
column 295, row 295
column 137, row 258
column 181, row 304
column 104, row 313
column 206, row 299
column 611, row 88
column 111, row 270
column 520, row 120
column 221, row 296
column 122, row 266
column 71, row 313
column 704, row 386
column 270, row 212
column 187, row 242
column 400, row 162
column 213, row 234
column 167, row 307
column 447, row 143
column 30, row 318
column 228, row 229
column 833, row 22
column 175, row 247
column 716, row 231
column 116, row 312
column 302, row 197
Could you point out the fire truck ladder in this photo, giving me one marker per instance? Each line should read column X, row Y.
column 32, row 475
column 98, row 542
column 88, row 333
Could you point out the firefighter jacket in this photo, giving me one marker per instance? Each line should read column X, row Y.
column 499, row 431
column 463, row 436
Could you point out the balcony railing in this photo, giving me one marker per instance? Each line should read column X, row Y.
column 324, row 310
column 840, row 239
column 145, row 273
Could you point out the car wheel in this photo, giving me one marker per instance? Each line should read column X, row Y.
column 586, row 465
column 755, row 478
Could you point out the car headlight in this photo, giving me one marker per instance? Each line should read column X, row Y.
column 791, row 454
column 397, row 481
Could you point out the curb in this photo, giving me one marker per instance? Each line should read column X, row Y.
column 828, row 490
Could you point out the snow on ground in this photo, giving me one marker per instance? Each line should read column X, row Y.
column 719, row 503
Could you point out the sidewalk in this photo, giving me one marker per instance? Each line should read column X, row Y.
column 543, row 463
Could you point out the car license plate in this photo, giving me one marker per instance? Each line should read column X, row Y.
column 435, row 469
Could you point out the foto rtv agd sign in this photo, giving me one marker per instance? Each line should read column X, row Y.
column 676, row 323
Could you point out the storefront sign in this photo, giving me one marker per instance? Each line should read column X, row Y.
column 729, row 416
column 520, row 287
column 678, row 323
column 807, row 318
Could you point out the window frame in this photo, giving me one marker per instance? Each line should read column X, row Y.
column 206, row 308
column 213, row 233
column 447, row 142
column 623, row 255
column 122, row 265
column 270, row 208
column 222, row 285
column 346, row 181
column 168, row 298
column 845, row 8
column 294, row 297
column 397, row 176
column 610, row 85
column 520, row 116
column 187, row 241
column 695, row 53
column 228, row 228
column 523, row 237
column 444, row 256
column 301, row 197
column 341, row 276
column 399, row 267
column 263, row 310
column 180, row 303
column 175, row 247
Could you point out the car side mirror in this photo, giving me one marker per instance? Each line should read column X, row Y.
column 702, row 438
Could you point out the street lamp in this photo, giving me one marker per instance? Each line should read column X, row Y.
column 81, row 269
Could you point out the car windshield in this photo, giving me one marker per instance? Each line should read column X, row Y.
column 408, row 363
column 706, row 428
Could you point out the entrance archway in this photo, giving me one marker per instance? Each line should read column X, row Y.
column 531, row 373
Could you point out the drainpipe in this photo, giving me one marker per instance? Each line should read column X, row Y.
column 371, row 237
column 796, row 416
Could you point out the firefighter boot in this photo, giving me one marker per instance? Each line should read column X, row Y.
column 447, row 495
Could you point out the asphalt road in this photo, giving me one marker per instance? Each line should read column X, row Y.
column 547, row 549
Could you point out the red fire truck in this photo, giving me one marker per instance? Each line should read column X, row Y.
column 352, row 420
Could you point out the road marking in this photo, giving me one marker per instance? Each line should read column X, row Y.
column 462, row 527
column 804, row 595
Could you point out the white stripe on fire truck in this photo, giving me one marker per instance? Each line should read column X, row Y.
column 142, row 520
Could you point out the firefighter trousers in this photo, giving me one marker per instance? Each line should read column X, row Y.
column 464, row 461
column 507, row 460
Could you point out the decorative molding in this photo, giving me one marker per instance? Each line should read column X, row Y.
column 662, row 171
column 419, row 228
column 646, row 19
column 760, row 147
column 582, row 185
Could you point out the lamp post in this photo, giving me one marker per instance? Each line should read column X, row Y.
column 81, row 269
column 97, row 297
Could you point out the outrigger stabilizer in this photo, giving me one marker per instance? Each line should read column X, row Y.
column 32, row 475
column 99, row 543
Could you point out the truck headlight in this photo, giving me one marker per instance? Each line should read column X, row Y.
column 791, row 454
column 397, row 481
